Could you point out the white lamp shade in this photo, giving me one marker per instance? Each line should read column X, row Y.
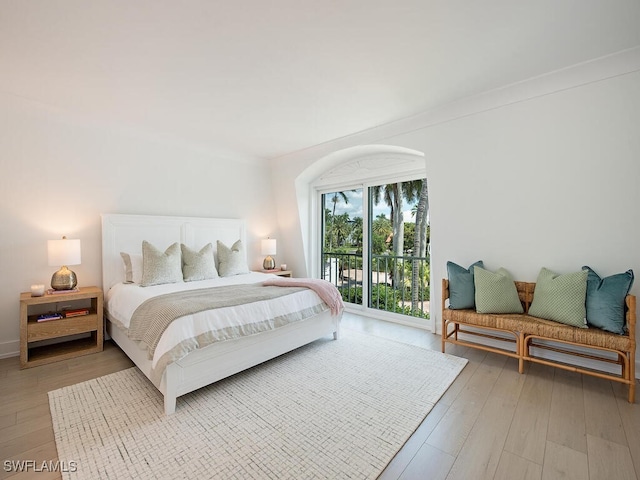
column 269, row 246
column 63, row 252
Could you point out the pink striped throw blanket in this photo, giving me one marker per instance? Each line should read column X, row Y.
column 325, row 290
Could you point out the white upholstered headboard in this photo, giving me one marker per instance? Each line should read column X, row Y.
column 125, row 233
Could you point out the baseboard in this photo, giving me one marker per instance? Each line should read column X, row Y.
column 406, row 320
column 10, row 349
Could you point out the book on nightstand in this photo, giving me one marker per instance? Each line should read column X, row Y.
column 45, row 317
column 78, row 312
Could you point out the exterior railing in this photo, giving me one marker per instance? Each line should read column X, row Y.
column 391, row 285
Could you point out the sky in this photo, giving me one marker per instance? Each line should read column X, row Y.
column 354, row 206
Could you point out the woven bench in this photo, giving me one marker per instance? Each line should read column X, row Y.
column 518, row 333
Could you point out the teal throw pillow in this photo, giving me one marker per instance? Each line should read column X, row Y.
column 461, row 286
column 605, row 300
column 560, row 298
column 496, row 292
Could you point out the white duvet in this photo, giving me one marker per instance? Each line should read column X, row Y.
column 123, row 299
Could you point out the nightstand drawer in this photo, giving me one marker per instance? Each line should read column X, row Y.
column 60, row 328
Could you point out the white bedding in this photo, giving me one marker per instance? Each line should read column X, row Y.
column 123, row 299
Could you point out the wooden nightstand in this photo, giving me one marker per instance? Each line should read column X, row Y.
column 32, row 331
column 280, row 273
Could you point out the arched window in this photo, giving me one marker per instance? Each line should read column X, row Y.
column 369, row 230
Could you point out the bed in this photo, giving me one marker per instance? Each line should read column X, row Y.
column 203, row 364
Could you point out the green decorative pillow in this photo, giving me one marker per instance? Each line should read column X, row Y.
column 160, row 267
column 560, row 298
column 231, row 261
column 198, row 265
column 496, row 292
column 461, row 287
column 605, row 300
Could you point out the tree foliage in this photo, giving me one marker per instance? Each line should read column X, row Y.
column 392, row 237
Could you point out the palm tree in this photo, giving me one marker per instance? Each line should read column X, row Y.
column 382, row 230
column 393, row 198
column 330, row 217
column 356, row 233
column 336, row 198
column 419, row 242
column 392, row 193
column 341, row 228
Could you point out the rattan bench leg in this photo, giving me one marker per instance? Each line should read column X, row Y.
column 632, row 377
column 445, row 327
column 521, row 347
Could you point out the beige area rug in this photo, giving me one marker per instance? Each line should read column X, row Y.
column 332, row 409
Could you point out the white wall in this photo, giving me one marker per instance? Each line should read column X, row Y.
column 58, row 173
column 545, row 173
column 549, row 182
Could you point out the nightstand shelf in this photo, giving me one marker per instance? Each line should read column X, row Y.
column 32, row 332
column 280, row 273
column 61, row 351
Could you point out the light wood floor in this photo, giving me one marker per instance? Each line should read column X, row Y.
column 492, row 423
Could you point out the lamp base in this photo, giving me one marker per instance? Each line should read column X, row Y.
column 64, row 279
column 269, row 263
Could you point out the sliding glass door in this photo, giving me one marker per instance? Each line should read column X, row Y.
column 342, row 242
column 375, row 246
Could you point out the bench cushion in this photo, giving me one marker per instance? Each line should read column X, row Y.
column 470, row 317
column 544, row 328
column 557, row 331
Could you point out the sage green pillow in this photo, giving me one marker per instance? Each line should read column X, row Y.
column 198, row 265
column 160, row 267
column 560, row 298
column 231, row 260
column 496, row 292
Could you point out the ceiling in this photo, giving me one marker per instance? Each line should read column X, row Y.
column 263, row 78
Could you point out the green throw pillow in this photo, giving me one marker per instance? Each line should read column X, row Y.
column 605, row 300
column 461, row 286
column 560, row 298
column 496, row 292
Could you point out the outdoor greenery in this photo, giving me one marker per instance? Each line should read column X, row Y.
column 384, row 297
column 398, row 249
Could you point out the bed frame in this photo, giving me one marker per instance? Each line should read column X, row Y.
column 124, row 233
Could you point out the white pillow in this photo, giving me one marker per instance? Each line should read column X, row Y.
column 132, row 267
column 231, row 261
column 160, row 267
column 198, row 265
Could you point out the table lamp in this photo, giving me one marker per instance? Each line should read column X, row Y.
column 268, row 249
column 62, row 253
